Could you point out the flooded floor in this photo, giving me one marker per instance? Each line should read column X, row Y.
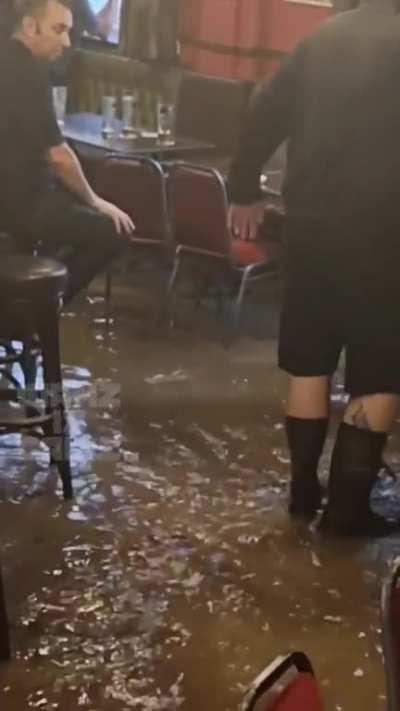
column 176, row 575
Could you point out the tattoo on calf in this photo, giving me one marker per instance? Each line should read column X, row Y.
column 359, row 418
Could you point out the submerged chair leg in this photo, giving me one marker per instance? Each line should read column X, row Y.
column 29, row 366
column 239, row 299
column 5, row 651
column 107, row 295
column 57, row 429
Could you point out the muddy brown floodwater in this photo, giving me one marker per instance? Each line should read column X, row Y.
column 176, row 574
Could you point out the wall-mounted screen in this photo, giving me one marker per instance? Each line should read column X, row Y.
column 101, row 20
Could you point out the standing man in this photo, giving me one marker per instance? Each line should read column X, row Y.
column 44, row 194
column 336, row 101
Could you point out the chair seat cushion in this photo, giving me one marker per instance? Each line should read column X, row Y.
column 261, row 251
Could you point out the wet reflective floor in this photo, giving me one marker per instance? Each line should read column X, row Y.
column 176, row 575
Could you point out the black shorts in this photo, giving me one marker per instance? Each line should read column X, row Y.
column 342, row 291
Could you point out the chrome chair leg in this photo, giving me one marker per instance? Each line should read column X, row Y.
column 170, row 289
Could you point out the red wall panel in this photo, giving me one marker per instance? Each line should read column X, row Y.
column 243, row 38
column 218, row 21
column 288, row 22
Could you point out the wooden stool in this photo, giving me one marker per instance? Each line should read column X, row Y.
column 30, row 295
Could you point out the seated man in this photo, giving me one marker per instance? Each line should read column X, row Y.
column 44, row 194
column 88, row 22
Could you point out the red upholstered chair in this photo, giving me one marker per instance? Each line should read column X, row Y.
column 4, row 634
column 137, row 186
column 197, row 204
column 390, row 612
column 288, row 684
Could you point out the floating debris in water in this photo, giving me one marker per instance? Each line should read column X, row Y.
column 358, row 673
column 175, row 377
column 335, row 619
column 315, row 560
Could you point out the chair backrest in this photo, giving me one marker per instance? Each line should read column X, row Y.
column 137, row 186
column 390, row 612
column 197, row 204
column 4, row 633
column 288, row 684
column 212, row 109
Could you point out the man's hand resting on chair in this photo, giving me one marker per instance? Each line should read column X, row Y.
column 245, row 220
column 122, row 221
column 66, row 166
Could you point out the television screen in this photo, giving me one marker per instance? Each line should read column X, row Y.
column 100, row 19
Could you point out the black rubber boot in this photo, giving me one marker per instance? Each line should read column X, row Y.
column 306, row 440
column 355, row 465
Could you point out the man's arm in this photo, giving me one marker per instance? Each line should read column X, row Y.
column 66, row 166
column 270, row 121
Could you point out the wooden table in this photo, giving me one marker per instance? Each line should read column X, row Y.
column 84, row 132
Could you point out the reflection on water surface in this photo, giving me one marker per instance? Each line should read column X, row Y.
column 175, row 575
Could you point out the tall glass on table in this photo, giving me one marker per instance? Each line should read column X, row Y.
column 166, row 123
column 109, row 113
column 130, row 116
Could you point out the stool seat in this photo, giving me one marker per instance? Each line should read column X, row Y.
column 24, row 275
column 30, row 295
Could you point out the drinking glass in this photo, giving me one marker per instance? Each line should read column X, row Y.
column 165, row 122
column 130, row 116
column 108, row 110
column 60, row 103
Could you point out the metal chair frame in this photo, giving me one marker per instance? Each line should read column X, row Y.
column 250, row 273
column 138, row 241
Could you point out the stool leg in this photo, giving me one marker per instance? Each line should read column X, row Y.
column 57, row 429
column 29, row 366
column 5, row 652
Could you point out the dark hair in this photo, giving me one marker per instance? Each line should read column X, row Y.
column 13, row 11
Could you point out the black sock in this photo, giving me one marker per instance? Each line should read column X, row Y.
column 306, row 438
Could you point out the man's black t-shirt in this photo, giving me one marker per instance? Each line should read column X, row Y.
column 28, row 128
